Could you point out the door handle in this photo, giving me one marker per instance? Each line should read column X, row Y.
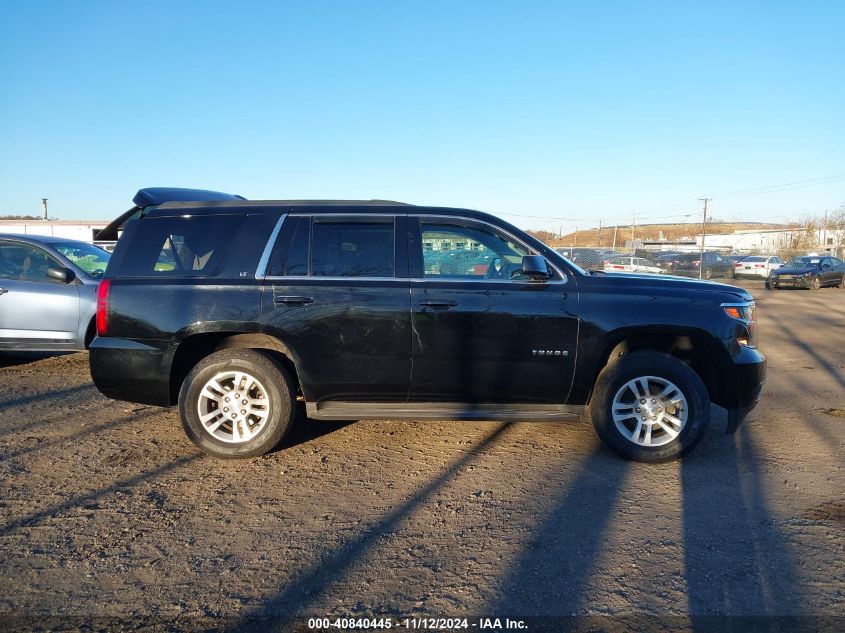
column 439, row 304
column 3, row 291
column 292, row 301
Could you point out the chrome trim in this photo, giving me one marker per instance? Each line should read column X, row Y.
column 312, row 279
column 260, row 272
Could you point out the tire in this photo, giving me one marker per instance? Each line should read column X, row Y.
column 815, row 283
column 841, row 283
column 265, row 392
column 691, row 411
column 707, row 274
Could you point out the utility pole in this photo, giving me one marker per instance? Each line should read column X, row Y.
column 633, row 226
column 599, row 232
column 703, row 236
column 44, row 202
column 615, row 231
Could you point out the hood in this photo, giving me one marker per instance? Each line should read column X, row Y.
column 795, row 270
column 671, row 284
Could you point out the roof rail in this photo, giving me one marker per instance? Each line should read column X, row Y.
column 160, row 195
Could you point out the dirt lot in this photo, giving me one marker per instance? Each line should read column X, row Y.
column 107, row 511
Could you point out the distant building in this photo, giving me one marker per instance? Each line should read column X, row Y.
column 772, row 240
column 83, row 230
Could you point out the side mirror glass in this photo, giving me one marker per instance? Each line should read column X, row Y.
column 65, row 275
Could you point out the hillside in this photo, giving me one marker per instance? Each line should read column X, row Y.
column 591, row 237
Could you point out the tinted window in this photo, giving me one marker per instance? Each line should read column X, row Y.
column 352, row 249
column 192, row 246
column 290, row 255
column 25, row 262
column 463, row 251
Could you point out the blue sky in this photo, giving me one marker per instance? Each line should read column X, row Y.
column 576, row 110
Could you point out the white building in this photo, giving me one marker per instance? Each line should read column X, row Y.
column 772, row 240
column 83, row 230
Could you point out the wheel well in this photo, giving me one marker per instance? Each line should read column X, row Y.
column 90, row 332
column 194, row 348
column 692, row 349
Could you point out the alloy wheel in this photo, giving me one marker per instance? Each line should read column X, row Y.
column 650, row 411
column 233, row 407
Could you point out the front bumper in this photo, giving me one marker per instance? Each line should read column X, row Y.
column 794, row 282
column 744, row 386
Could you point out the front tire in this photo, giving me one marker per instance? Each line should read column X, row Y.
column 650, row 407
column 236, row 403
column 815, row 283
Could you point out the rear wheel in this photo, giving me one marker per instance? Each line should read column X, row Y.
column 708, row 274
column 650, row 407
column 236, row 403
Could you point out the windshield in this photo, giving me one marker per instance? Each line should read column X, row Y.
column 800, row 262
column 89, row 258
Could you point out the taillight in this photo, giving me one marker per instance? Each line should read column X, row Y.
column 737, row 265
column 697, row 263
column 103, row 307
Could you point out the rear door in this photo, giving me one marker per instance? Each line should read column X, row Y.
column 337, row 294
column 479, row 335
column 36, row 311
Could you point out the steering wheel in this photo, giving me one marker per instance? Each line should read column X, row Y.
column 492, row 271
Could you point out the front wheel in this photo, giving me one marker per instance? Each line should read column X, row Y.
column 236, row 403
column 650, row 407
column 815, row 283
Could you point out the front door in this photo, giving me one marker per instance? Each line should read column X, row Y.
column 479, row 335
column 336, row 293
column 36, row 311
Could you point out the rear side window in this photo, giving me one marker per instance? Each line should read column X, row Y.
column 188, row 247
column 352, row 249
column 290, row 254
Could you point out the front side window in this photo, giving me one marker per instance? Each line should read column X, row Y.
column 25, row 263
column 92, row 259
column 468, row 252
column 352, row 249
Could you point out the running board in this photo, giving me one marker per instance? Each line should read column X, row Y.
column 336, row 410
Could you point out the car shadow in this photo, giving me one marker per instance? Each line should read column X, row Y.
column 15, row 359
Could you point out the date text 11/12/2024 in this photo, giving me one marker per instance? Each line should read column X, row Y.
column 432, row 624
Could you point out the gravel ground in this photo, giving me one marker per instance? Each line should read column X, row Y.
column 110, row 518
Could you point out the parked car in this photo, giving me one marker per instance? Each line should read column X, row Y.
column 586, row 258
column 811, row 272
column 709, row 264
column 48, row 291
column 631, row 265
column 757, row 266
column 337, row 305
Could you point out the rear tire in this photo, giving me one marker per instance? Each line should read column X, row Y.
column 708, row 274
column 236, row 403
column 650, row 407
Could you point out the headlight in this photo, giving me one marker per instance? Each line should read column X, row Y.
column 747, row 314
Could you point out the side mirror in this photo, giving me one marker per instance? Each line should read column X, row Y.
column 535, row 268
column 65, row 275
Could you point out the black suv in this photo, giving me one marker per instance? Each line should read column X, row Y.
column 237, row 309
